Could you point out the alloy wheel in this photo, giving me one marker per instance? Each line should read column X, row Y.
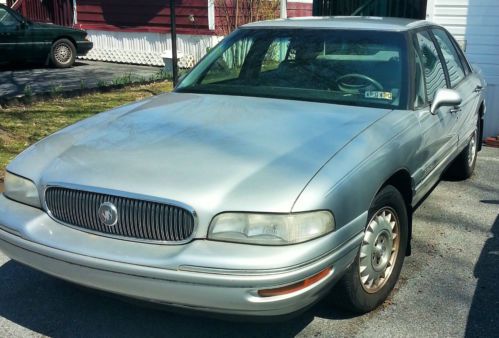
column 472, row 149
column 379, row 250
column 63, row 53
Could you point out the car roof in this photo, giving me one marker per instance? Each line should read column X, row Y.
column 343, row 22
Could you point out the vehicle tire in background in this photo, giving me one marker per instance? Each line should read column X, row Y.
column 376, row 269
column 63, row 53
column 464, row 164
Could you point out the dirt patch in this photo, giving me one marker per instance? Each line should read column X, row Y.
column 6, row 136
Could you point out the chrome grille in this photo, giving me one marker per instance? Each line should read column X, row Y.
column 137, row 219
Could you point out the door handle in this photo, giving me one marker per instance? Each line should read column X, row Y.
column 478, row 89
column 455, row 110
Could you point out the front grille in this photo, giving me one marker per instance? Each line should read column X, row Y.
column 137, row 219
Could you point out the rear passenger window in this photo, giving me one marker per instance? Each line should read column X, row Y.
column 454, row 66
column 433, row 70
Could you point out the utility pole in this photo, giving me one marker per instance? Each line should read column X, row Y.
column 173, row 32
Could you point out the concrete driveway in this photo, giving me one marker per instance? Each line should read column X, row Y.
column 86, row 74
column 449, row 287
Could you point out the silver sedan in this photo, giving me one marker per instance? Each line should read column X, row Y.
column 289, row 159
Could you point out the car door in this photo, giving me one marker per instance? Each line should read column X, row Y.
column 464, row 82
column 438, row 142
column 15, row 39
column 8, row 35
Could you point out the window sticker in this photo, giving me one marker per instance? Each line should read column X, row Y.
column 378, row 95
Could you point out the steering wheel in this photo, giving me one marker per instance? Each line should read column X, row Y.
column 355, row 88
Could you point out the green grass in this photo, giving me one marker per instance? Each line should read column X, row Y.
column 21, row 126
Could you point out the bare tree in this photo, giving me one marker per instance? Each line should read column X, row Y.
column 233, row 13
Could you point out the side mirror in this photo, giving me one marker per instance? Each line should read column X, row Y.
column 445, row 98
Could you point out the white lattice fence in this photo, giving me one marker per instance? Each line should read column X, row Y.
column 146, row 48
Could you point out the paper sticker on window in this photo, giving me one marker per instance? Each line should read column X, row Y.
column 378, row 95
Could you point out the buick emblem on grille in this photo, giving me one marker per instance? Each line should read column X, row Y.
column 108, row 214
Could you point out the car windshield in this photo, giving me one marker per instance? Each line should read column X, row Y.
column 353, row 67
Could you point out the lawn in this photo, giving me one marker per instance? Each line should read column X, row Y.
column 21, row 126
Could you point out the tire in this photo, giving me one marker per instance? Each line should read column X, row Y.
column 363, row 287
column 463, row 166
column 62, row 53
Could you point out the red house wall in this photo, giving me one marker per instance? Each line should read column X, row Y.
column 143, row 16
column 59, row 12
column 154, row 15
column 297, row 9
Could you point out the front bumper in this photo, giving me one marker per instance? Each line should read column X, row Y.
column 28, row 236
column 83, row 47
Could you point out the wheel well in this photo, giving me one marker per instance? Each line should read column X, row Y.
column 402, row 181
column 481, row 112
column 65, row 37
column 482, row 109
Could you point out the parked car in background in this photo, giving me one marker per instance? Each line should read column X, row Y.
column 288, row 160
column 24, row 41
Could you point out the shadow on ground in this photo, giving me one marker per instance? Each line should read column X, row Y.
column 55, row 308
column 34, row 66
column 484, row 312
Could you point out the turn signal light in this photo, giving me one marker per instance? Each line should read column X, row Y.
column 296, row 286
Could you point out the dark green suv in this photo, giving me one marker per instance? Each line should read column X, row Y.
column 24, row 41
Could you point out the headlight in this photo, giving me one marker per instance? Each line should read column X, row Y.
column 21, row 190
column 270, row 229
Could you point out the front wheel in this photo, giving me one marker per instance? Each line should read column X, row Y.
column 63, row 53
column 376, row 269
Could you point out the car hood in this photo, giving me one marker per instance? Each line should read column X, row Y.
column 50, row 26
column 214, row 153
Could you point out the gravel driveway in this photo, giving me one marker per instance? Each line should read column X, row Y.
column 449, row 286
column 86, row 74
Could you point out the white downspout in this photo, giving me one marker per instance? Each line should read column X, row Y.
column 211, row 15
column 284, row 9
column 75, row 13
column 430, row 10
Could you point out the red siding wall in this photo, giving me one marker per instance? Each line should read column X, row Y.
column 297, row 9
column 143, row 16
column 139, row 16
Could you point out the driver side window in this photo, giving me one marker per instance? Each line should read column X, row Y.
column 7, row 20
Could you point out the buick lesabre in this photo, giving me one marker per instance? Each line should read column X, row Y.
column 290, row 159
